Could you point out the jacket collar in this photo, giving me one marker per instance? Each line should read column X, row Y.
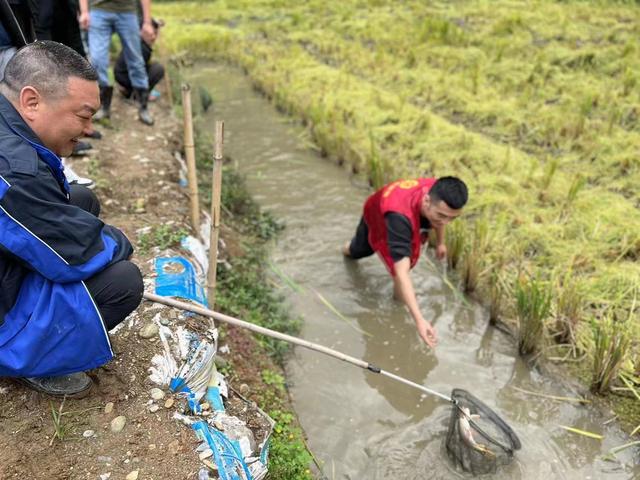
column 13, row 119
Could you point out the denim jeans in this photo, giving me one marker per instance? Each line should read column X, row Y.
column 101, row 26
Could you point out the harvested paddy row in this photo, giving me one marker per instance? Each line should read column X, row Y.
column 547, row 213
column 507, row 79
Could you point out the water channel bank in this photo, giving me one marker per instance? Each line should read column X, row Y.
column 358, row 425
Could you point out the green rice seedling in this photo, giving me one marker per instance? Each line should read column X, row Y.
column 576, row 186
column 568, row 311
column 376, row 175
column 456, row 240
column 475, row 254
column 612, row 341
column 496, row 295
column 533, row 305
column 629, row 81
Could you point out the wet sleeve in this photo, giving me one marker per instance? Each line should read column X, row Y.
column 399, row 235
column 45, row 233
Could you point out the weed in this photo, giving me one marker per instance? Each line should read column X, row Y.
column 60, row 428
column 161, row 236
column 533, row 303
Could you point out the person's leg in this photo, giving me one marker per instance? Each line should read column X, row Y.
column 155, row 72
column 359, row 246
column 100, row 29
column 121, row 74
column 85, row 199
column 129, row 33
column 128, row 30
column 117, row 291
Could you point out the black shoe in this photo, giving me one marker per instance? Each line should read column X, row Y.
column 81, row 147
column 141, row 95
column 106, row 93
column 95, row 134
column 76, row 385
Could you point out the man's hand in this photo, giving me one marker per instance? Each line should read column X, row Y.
column 147, row 33
column 427, row 332
column 83, row 19
column 441, row 252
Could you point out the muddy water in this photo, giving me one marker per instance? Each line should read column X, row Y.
column 362, row 426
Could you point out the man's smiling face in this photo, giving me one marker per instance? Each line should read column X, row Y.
column 59, row 122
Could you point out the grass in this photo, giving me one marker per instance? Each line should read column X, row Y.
column 535, row 106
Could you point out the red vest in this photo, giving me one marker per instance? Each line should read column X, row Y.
column 404, row 197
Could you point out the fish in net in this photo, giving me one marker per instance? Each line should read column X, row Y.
column 478, row 440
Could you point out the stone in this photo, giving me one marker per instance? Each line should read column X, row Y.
column 108, row 408
column 154, row 408
column 118, row 423
column 175, row 447
column 104, row 459
column 157, row 394
column 150, row 330
column 169, row 403
column 132, row 476
column 221, row 363
column 244, row 389
column 105, row 476
column 88, row 433
column 206, row 454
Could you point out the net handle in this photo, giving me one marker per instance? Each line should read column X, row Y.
column 289, row 339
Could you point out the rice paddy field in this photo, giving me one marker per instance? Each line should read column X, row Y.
column 534, row 104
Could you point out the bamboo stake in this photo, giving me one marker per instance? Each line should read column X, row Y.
column 216, row 187
column 190, row 153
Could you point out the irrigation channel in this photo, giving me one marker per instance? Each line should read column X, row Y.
column 361, row 425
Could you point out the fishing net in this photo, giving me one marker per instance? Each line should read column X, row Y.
column 478, row 440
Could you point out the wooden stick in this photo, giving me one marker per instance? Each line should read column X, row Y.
column 290, row 339
column 216, row 187
column 190, row 153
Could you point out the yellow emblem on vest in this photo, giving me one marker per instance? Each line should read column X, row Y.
column 404, row 184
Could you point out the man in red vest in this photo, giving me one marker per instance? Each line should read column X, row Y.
column 395, row 225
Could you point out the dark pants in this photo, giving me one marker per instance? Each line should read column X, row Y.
column 155, row 72
column 359, row 246
column 57, row 20
column 117, row 290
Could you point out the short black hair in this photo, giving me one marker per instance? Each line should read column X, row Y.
column 46, row 66
column 451, row 190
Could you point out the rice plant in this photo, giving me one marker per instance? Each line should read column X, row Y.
column 568, row 311
column 533, row 305
column 612, row 341
column 475, row 255
column 456, row 240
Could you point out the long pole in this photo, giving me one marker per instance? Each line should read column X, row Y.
column 190, row 153
column 289, row 339
column 216, row 187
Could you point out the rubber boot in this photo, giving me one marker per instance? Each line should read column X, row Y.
column 142, row 97
column 106, row 93
column 74, row 385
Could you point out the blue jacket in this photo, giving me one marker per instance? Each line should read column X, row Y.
column 49, row 324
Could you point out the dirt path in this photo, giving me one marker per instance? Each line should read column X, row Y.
column 137, row 179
